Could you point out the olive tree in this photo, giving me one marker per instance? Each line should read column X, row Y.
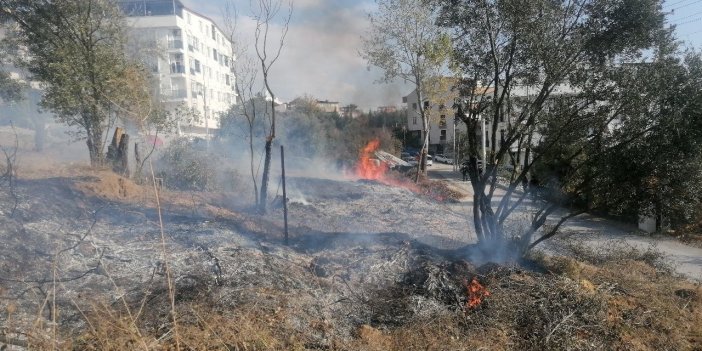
column 75, row 48
column 560, row 85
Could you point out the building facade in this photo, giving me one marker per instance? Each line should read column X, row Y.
column 441, row 120
column 190, row 57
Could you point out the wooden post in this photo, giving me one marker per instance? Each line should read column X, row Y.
column 117, row 152
column 285, row 195
column 122, row 160
column 137, row 158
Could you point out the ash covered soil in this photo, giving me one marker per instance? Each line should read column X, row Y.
column 369, row 266
column 96, row 238
column 367, row 207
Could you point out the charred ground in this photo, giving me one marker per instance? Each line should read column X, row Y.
column 367, row 269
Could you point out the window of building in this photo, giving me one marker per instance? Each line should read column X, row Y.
column 214, row 33
column 404, row 99
column 176, row 63
column 226, row 79
column 442, row 121
column 151, row 8
column 426, row 104
column 414, row 106
column 443, row 135
column 414, row 120
column 214, row 54
column 175, row 39
column 193, row 43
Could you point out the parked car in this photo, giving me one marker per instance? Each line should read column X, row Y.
column 414, row 160
column 444, row 159
column 411, row 160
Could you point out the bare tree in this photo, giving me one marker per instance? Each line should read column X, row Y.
column 8, row 169
column 405, row 42
column 268, row 53
column 245, row 73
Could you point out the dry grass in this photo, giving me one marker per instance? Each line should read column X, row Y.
column 615, row 298
column 647, row 307
column 618, row 304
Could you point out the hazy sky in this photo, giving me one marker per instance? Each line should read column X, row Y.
column 321, row 57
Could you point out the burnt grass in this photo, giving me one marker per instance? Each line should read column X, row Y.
column 90, row 258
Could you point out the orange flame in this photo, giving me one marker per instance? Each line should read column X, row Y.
column 475, row 292
column 371, row 168
column 368, row 167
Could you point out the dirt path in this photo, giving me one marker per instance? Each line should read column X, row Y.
column 598, row 231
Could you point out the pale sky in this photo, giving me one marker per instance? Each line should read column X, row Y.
column 320, row 57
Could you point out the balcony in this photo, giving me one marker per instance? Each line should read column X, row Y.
column 175, row 94
column 175, row 44
column 177, row 68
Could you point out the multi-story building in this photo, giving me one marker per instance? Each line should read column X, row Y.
column 386, row 109
column 192, row 62
column 441, row 117
column 439, row 108
column 328, row 106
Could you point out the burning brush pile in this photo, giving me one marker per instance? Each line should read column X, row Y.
column 375, row 165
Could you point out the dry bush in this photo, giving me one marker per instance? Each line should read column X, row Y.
column 186, row 165
column 437, row 190
column 611, row 250
column 647, row 307
column 402, row 296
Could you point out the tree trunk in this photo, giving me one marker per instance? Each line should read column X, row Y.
column 137, row 159
column 123, row 156
column 94, row 142
column 253, row 168
column 118, row 152
column 422, row 167
column 264, row 183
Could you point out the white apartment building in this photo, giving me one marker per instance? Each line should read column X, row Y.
column 193, row 59
column 441, row 120
column 441, row 115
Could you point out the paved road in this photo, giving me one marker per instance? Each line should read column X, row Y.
column 595, row 230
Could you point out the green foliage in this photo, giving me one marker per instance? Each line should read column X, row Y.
column 76, row 49
column 563, row 84
column 405, row 43
column 187, row 165
column 307, row 131
column 10, row 89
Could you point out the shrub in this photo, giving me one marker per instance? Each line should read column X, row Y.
column 188, row 165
